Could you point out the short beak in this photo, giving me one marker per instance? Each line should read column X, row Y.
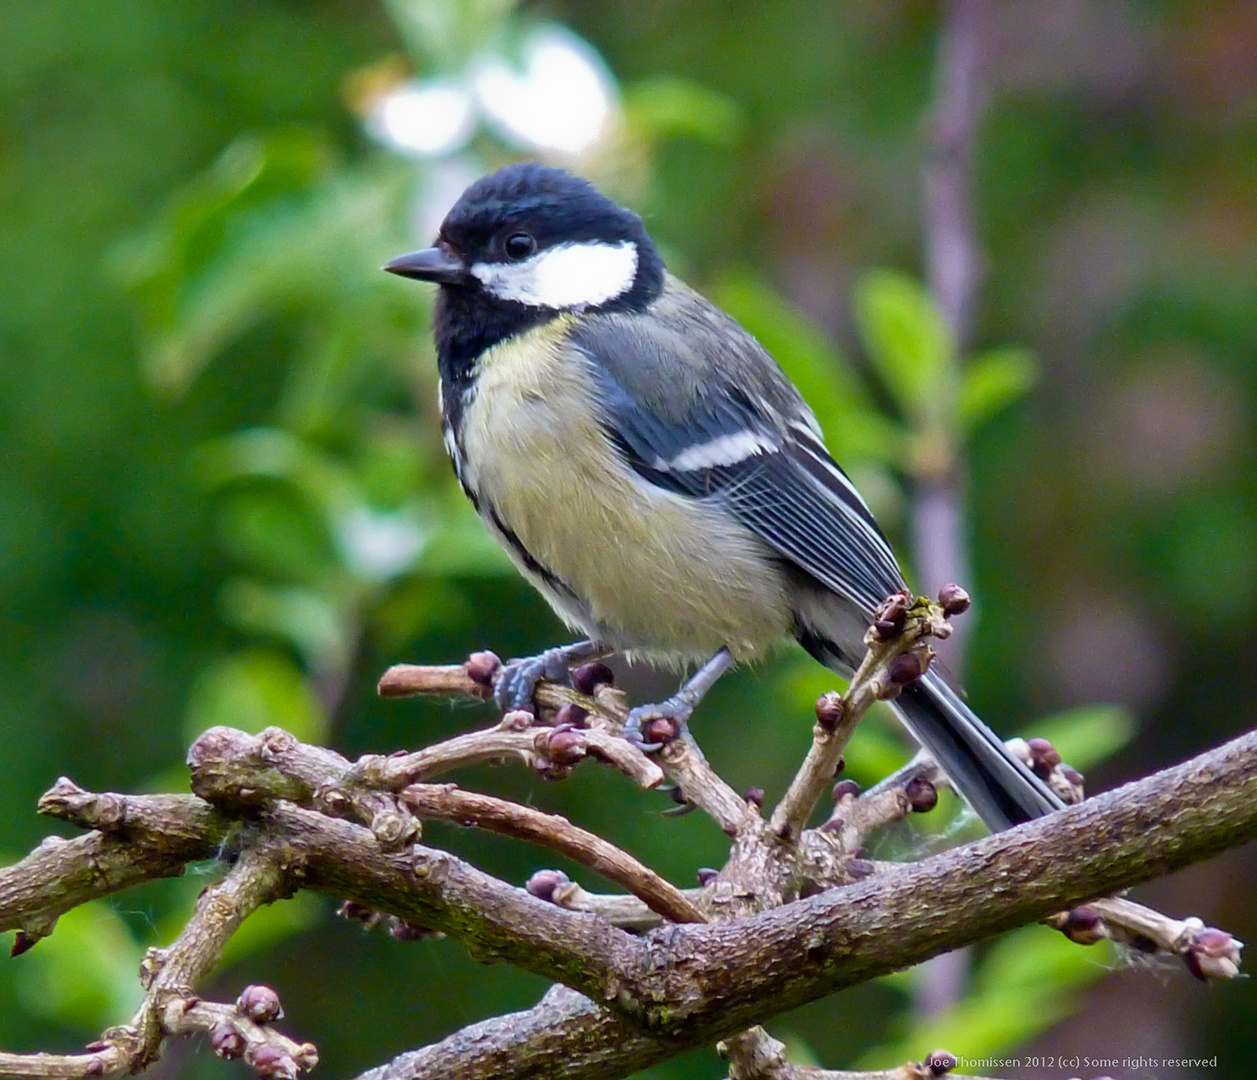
column 430, row 264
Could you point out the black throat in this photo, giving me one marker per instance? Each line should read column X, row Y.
column 465, row 322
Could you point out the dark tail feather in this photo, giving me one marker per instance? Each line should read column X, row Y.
column 1002, row 791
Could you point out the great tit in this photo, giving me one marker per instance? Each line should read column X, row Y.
column 652, row 470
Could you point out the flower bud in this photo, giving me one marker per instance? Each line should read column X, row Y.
column 588, row 677
column 259, row 1003
column 226, row 1041
column 953, row 600
column 543, row 883
column 482, row 667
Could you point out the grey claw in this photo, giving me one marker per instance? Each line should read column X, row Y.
column 665, row 722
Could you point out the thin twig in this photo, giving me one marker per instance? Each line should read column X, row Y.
column 869, row 683
column 445, row 802
column 755, row 1055
column 697, row 781
column 529, row 746
column 626, row 912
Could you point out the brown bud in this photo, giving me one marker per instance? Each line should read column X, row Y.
column 846, row 789
column 1043, row 757
column 706, row 875
column 904, row 669
column 23, row 942
column 829, row 710
column 588, row 677
column 834, row 825
column 566, row 746
column 940, row 1062
column 922, row 794
column 572, row 715
column 755, row 796
column 891, row 615
column 259, row 1003
column 953, row 600
column 482, row 667
column 272, row 1063
column 661, row 729
column 543, row 883
column 1084, row 926
column 1213, row 954
column 95, row 1067
column 351, row 909
column 226, row 1041
column 859, row 869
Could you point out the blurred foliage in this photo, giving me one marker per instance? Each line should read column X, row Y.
column 225, row 498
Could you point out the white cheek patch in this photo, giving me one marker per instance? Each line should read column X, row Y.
column 564, row 277
column 722, row 450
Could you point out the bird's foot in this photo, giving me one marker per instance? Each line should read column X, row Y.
column 516, row 680
column 651, row 727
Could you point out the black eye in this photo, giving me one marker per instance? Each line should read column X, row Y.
column 519, row 246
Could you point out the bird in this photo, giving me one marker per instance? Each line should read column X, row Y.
column 654, row 473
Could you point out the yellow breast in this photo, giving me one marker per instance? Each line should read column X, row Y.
column 657, row 572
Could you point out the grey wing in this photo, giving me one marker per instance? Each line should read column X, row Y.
column 732, row 427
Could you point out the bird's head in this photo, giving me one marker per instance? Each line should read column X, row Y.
column 541, row 239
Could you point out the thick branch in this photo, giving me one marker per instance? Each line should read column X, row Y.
column 439, row 891
column 150, row 836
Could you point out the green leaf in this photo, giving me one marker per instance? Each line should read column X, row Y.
column 1089, row 734
column 84, row 974
column 252, row 690
column 993, row 380
column 907, row 340
column 271, row 529
column 272, row 453
column 1027, row 981
column 254, row 236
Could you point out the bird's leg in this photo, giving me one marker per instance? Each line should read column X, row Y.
column 677, row 708
column 516, row 680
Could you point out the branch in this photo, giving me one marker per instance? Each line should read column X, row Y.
column 723, row 978
column 698, row 782
column 169, row 1006
column 142, row 837
column 901, row 624
column 445, row 802
column 756, row 1055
